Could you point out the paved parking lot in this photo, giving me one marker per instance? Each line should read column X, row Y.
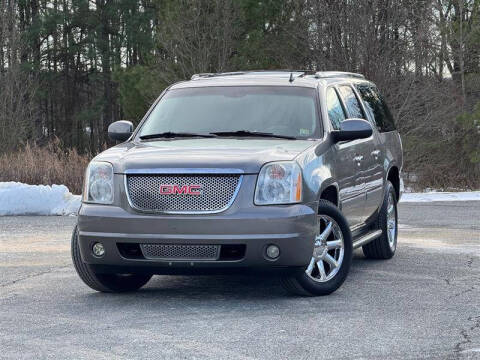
column 424, row 303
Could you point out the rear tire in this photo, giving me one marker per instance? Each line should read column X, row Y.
column 324, row 278
column 104, row 282
column 384, row 246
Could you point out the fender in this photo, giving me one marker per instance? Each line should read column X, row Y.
column 318, row 170
column 327, row 183
column 391, row 165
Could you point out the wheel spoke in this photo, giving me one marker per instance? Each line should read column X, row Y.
column 328, row 230
column 390, row 209
column 391, row 224
column 334, row 244
column 310, row 267
column 321, row 269
column 328, row 258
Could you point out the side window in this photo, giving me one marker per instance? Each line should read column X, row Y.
column 351, row 102
column 334, row 108
column 377, row 107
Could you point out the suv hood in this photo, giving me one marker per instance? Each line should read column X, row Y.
column 245, row 154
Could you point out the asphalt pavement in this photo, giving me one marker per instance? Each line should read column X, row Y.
column 423, row 303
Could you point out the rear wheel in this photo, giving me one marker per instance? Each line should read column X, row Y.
column 384, row 246
column 104, row 282
column 331, row 258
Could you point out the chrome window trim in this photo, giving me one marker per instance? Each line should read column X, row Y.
column 180, row 212
column 178, row 171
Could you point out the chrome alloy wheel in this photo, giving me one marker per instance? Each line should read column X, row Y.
column 328, row 251
column 391, row 222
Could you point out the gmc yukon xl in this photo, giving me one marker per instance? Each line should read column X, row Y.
column 271, row 172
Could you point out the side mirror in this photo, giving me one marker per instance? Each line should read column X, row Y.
column 353, row 129
column 120, row 130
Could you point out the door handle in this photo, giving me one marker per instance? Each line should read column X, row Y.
column 358, row 158
column 375, row 153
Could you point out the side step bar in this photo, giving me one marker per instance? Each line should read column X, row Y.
column 365, row 239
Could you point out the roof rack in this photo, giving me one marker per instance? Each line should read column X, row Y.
column 290, row 73
column 331, row 74
column 259, row 72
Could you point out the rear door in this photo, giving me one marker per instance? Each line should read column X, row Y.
column 348, row 164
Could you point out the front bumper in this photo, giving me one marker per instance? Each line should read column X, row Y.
column 292, row 228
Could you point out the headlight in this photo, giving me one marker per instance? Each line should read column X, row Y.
column 98, row 183
column 279, row 183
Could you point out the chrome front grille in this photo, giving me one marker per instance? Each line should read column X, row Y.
column 217, row 192
column 180, row 252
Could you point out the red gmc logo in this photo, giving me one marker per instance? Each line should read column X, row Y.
column 179, row 190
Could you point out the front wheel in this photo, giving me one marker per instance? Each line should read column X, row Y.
column 331, row 258
column 104, row 282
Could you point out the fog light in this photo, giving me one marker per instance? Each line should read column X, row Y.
column 273, row 251
column 98, row 249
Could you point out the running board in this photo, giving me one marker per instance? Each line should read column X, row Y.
column 365, row 239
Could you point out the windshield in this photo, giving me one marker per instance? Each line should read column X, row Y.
column 287, row 111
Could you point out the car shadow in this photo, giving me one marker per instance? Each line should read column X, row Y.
column 203, row 288
column 229, row 285
column 209, row 288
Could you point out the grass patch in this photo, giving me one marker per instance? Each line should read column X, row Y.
column 45, row 165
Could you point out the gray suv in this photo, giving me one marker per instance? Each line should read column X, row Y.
column 272, row 172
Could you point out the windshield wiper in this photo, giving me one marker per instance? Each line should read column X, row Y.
column 170, row 135
column 247, row 133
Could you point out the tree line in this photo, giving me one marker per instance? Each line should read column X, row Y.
column 68, row 68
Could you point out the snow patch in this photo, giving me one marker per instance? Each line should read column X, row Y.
column 22, row 199
column 440, row 196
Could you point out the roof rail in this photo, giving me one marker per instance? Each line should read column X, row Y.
column 331, row 74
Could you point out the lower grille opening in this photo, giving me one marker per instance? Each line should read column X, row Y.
column 232, row 252
column 130, row 250
column 182, row 252
column 185, row 252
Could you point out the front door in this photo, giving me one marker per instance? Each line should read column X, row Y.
column 371, row 150
column 349, row 170
column 376, row 153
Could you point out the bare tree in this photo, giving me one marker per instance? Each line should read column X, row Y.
column 17, row 86
column 196, row 36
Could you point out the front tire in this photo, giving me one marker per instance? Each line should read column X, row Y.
column 384, row 246
column 104, row 282
column 331, row 259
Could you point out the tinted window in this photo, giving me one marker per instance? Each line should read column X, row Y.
column 334, row 108
column 351, row 102
column 377, row 107
column 274, row 109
